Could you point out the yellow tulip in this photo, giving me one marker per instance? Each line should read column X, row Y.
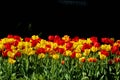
column 13, row 47
column 32, row 52
column 75, row 44
column 82, row 59
column 3, row 40
column 102, row 56
column 37, row 46
column 77, row 50
column 54, row 45
column 35, row 37
column 79, row 46
column 86, row 52
column 94, row 49
column 81, row 41
column 11, row 61
column 1, row 46
column 27, row 44
column 66, row 38
column 88, row 41
column 78, row 55
column 68, row 53
column 10, row 40
column 10, row 54
column 116, row 44
column 55, row 56
column 41, row 55
column 106, row 47
column 20, row 45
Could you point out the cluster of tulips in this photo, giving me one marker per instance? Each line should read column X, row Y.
column 85, row 50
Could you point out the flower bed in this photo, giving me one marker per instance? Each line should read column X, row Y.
column 59, row 58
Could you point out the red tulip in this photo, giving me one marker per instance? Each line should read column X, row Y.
column 62, row 62
column 40, row 50
column 94, row 39
column 110, row 62
column 76, row 38
column 105, row 52
column 18, row 54
column 73, row 55
column 51, row 37
column 27, row 39
column 60, row 50
column 114, row 49
column 9, row 36
column 69, row 45
column 61, row 42
column 96, row 44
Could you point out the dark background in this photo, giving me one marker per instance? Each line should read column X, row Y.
column 84, row 18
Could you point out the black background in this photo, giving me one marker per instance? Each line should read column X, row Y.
column 98, row 17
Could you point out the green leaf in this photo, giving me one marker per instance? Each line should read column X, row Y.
column 41, row 77
column 98, row 73
column 110, row 69
column 85, row 78
column 1, row 72
column 84, row 73
column 118, row 73
column 102, row 77
column 13, row 76
column 67, row 77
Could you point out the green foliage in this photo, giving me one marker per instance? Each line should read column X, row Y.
column 32, row 68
